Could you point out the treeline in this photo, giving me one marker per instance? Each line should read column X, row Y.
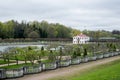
column 102, row 33
column 35, row 29
column 43, row 29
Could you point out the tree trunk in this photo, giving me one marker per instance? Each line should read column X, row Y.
column 25, row 61
column 39, row 59
column 8, row 61
column 4, row 58
column 17, row 61
column 60, row 58
column 32, row 62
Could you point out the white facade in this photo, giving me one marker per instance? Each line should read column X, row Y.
column 80, row 39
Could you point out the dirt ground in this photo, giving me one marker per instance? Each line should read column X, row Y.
column 67, row 70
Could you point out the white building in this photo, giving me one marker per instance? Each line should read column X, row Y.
column 80, row 39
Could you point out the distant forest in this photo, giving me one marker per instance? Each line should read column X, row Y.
column 43, row 29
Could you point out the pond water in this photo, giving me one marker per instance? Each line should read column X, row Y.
column 2, row 48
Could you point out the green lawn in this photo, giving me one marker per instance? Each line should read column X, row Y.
column 109, row 71
column 16, row 66
column 3, row 62
column 20, row 58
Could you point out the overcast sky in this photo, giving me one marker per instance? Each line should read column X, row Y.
column 79, row 14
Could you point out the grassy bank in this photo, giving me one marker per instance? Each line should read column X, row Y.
column 110, row 71
column 3, row 62
column 16, row 66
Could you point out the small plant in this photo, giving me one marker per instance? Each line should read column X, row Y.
column 60, row 53
column 51, row 56
column 85, row 52
column 74, row 54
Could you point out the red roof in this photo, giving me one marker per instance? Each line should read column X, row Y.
column 82, row 35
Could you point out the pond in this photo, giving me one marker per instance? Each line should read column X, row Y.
column 2, row 48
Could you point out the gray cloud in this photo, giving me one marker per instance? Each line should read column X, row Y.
column 80, row 14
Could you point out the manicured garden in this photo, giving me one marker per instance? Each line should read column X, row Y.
column 53, row 56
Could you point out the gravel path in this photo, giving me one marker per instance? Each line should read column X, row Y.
column 67, row 71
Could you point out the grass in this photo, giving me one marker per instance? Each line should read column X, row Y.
column 110, row 71
column 46, row 61
column 20, row 58
column 16, row 66
column 3, row 62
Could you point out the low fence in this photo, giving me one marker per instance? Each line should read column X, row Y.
column 64, row 63
column 75, row 61
column 15, row 73
column 2, row 73
column 32, row 69
column 85, row 59
column 106, row 55
column 93, row 58
column 49, row 66
column 100, row 56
